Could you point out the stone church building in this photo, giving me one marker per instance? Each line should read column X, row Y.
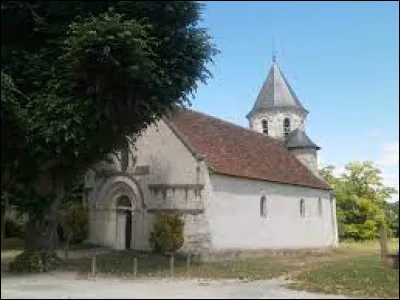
column 238, row 189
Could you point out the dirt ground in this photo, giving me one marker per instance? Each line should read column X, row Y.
column 66, row 285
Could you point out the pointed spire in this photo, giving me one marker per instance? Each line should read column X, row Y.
column 276, row 92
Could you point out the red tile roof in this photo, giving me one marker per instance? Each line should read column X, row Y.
column 232, row 150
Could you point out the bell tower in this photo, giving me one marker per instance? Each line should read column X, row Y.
column 278, row 113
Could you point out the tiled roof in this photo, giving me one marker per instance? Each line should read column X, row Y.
column 232, row 150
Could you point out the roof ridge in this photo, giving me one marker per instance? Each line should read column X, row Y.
column 235, row 125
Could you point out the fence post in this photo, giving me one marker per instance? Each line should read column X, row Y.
column 171, row 265
column 383, row 243
column 135, row 267
column 188, row 260
column 94, row 266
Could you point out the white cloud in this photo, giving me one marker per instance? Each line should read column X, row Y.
column 390, row 156
column 377, row 133
column 389, row 165
column 339, row 170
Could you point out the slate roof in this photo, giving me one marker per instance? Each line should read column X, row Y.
column 232, row 150
column 276, row 92
column 299, row 139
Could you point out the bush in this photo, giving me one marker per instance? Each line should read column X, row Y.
column 32, row 262
column 167, row 235
column 29, row 261
column 13, row 228
column 77, row 221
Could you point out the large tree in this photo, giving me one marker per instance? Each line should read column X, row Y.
column 361, row 199
column 87, row 75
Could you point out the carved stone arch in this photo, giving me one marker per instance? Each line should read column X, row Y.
column 117, row 186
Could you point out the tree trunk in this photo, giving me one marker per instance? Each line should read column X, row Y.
column 41, row 233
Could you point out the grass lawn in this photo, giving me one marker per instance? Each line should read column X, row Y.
column 363, row 276
column 355, row 269
column 121, row 263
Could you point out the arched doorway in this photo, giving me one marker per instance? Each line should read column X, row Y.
column 124, row 222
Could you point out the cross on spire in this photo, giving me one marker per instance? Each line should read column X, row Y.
column 273, row 52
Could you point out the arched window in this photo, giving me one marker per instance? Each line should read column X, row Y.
column 265, row 126
column 286, row 126
column 320, row 207
column 263, row 206
column 302, row 208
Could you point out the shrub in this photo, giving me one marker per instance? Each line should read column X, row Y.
column 32, row 262
column 167, row 234
column 29, row 261
column 78, row 222
column 13, row 228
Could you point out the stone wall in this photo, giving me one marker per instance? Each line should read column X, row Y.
column 275, row 118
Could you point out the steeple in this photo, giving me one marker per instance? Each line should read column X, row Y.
column 278, row 113
column 276, row 92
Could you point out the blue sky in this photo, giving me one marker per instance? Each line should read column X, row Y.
column 341, row 58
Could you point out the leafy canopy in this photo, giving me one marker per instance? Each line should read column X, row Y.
column 361, row 199
column 80, row 76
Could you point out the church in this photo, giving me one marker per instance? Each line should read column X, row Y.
column 238, row 189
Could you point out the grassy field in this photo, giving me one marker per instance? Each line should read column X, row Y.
column 353, row 269
column 363, row 276
column 121, row 263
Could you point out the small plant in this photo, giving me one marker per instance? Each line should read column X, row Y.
column 167, row 234
column 27, row 261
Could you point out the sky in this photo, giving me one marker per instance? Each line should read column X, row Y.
column 341, row 59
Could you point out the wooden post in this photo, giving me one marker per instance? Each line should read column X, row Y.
column 188, row 260
column 383, row 242
column 94, row 266
column 66, row 253
column 135, row 267
column 67, row 246
column 171, row 265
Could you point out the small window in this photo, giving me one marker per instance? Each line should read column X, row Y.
column 286, row 126
column 302, row 208
column 263, row 207
column 265, row 126
column 320, row 207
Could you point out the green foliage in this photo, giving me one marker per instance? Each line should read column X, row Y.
column 78, row 222
column 392, row 215
column 13, row 228
column 360, row 199
column 167, row 235
column 78, row 77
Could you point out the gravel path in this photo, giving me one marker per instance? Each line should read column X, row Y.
column 67, row 286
